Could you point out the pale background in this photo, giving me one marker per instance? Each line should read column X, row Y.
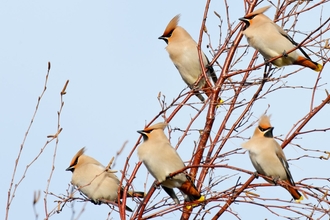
column 116, row 66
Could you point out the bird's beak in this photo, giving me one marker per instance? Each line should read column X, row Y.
column 163, row 38
column 246, row 22
column 243, row 19
column 144, row 135
column 69, row 169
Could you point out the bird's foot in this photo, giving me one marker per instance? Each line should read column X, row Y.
column 256, row 175
column 156, row 185
column 96, row 202
column 285, row 54
column 275, row 180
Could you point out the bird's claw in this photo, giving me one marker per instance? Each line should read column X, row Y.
column 275, row 180
column 284, row 54
column 256, row 175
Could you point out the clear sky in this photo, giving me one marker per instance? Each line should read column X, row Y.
column 116, row 66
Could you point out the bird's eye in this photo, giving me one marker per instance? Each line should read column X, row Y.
column 263, row 129
column 148, row 131
column 169, row 34
column 250, row 17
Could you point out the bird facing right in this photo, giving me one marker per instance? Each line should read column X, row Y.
column 184, row 54
column 268, row 157
column 272, row 41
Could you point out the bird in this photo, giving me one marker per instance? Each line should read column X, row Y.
column 93, row 180
column 183, row 52
column 272, row 41
column 161, row 159
column 268, row 158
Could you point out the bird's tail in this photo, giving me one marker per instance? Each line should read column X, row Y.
column 135, row 194
column 294, row 192
column 189, row 188
column 199, row 95
column 172, row 194
column 132, row 194
column 111, row 202
column 191, row 193
column 208, row 91
column 303, row 61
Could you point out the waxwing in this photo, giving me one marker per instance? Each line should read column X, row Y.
column 161, row 159
column 268, row 157
column 271, row 41
column 92, row 178
column 184, row 54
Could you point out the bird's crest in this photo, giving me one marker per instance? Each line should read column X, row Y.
column 256, row 12
column 264, row 122
column 171, row 26
column 74, row 160
column 160, row 125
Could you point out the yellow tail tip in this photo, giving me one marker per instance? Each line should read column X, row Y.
column 300, row 199
column 201, row 199
column 318, row 67
column 219, row 103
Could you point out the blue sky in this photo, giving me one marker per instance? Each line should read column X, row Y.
column 116, row 66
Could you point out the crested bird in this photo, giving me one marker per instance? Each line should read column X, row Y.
column 94, row 181
column 272, row 41
column 161, row 159
column 183, row 52
column 268, row 157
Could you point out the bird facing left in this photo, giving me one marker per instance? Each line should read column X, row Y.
column 268, row 157
column 272, row 41
column 93, row 180
column 161, row 159
column 184, row 54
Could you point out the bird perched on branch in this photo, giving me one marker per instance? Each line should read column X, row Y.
column 268, row 157
column 272, row 41
column 92, row 179
column 184, row 54
column 161, row 159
